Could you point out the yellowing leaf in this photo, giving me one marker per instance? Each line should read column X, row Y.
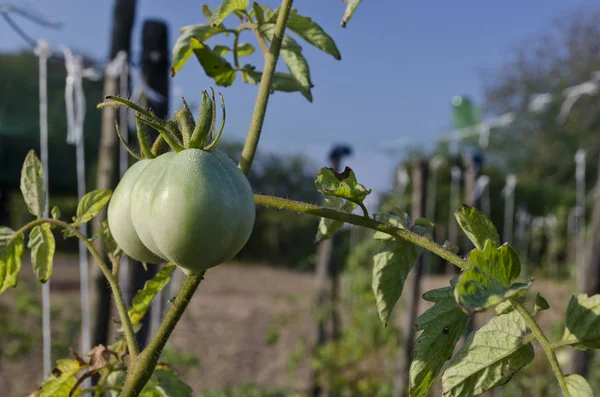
column 41, row 243
column 32, row 185
column 10, row 263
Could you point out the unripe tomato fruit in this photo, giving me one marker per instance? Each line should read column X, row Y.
column 195, row 208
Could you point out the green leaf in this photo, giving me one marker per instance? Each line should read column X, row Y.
column 343, row 185
column 328, row 227
column 10, row 263
column 206, row 11
column 55, row 212
column 541, row 303
column 577, row 386
column 291, row 52
column 91, row 204
column 442, row 327
column 258, row 12
column 477, row 226
column 183, row 50
column 392, row 263
column 490, row 357
column 221, row 49
column 226, row 8
column 487, row 281
column 214, row 65
column 283, row 82
column 41, row 243
column 350, row 9
column 165, row 383
column 62, row 379
column 6, row 235
column 314, row 34
column 244, row 49
column 143, row 298
column 583, row 322
column 32, row 185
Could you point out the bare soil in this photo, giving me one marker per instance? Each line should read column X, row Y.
column 227, row 325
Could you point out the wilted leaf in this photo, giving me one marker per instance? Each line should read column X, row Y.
column 477, row 226
column 32, row 185
column 583, row 322
column 213, row 64
column 10, row 263
column 99, row 357
column 226, row 8
column 487, row 281
column 392, row 263
column 41, row 243
column 490, row 357
column 343, row 185
column 442, row 327
column 91, row 204
column 577, row 386
column 62, row 379
column 143, row 298
column 328, row 227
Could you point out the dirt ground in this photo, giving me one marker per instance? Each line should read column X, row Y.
column 226, row 328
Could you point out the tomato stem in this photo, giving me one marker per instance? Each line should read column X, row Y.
column 264, row 91
column 216, row 138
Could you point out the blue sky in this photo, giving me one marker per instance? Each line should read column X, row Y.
column 402, row 61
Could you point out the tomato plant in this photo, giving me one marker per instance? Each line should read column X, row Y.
column 187, row 204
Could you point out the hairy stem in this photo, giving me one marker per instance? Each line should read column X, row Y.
column 112, row 281
column 266, row 81
column 236, row 39
column 143, row 367
column 546, row 345
column 304, row 208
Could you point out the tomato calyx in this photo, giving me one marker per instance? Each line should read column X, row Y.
column 176, row 134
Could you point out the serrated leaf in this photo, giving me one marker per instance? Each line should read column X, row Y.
column 490, row 357
column 583, row 322
column 391, row 265
column 476, row 226
column 487, row 281
column 214, row 65
column 577, row 386
column 32, row 185
column 328, row 227
column 6, row 235
column 41, row 243
column 291, row 52
column 442, row 327
column 62, row 379
column 258, row 12
column 10, row 262
column 350, row 10
column 142, row 300
column 541, row 303
column 343, row 185
column 182, row 50
column 226, row 8
column 91, row 204
column 314, row 34
column 55, row 212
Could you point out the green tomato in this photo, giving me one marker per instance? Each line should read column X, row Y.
column 119, row 217
column 195, row 208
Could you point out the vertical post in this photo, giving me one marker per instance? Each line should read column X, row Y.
column 580, row 216
column 434, row 164
column 589, row 280
column 455, row 174
column 402, row 180
column 122, row 25
column 509, row 207
column 412, row 286
column 43, row 51
column 155, row 81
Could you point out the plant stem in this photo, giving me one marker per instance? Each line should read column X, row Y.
column 546, row 345
column 421, row 241
column 266, row 81
column 112, row 281
column 143, row 367
column 236, row 39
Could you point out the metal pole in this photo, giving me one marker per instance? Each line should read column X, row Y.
column 580, row 217
column 455, row 174
column 509, row 206
column 434, row 164
column 43, row 51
